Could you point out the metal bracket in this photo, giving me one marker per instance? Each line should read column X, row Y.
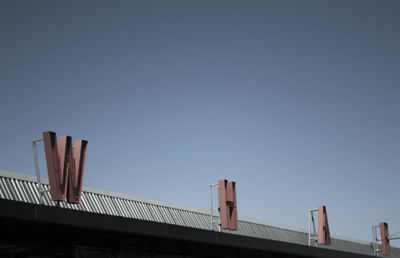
column 376, row 242
column 311, row 222
column 39, row 181
column 212, row 221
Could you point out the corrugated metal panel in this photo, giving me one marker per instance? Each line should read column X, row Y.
column 23, row 188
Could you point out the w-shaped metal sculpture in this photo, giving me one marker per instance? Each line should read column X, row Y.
column 65, row 167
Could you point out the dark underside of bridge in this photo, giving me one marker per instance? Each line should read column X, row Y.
column 29, row 230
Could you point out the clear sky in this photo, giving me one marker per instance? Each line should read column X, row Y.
column 296, row 101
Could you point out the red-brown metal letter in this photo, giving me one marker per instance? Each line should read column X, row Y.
column 65, row 167
column 385, row 241
column 227, row 205
column 324, row 236
column 77, row 172
column 57, row 167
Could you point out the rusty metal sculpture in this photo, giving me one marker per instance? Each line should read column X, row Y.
column 228, row 205
column 385, row 240
column 65, row 167
column 324, row 236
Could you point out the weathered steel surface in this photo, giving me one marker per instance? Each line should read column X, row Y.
column 227, row 205
column 385, row 241
column 77, row 172
column 57, row 165
column 65, row 167
column 324, row 236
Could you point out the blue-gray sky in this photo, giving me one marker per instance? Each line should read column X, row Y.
column 296, row 101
